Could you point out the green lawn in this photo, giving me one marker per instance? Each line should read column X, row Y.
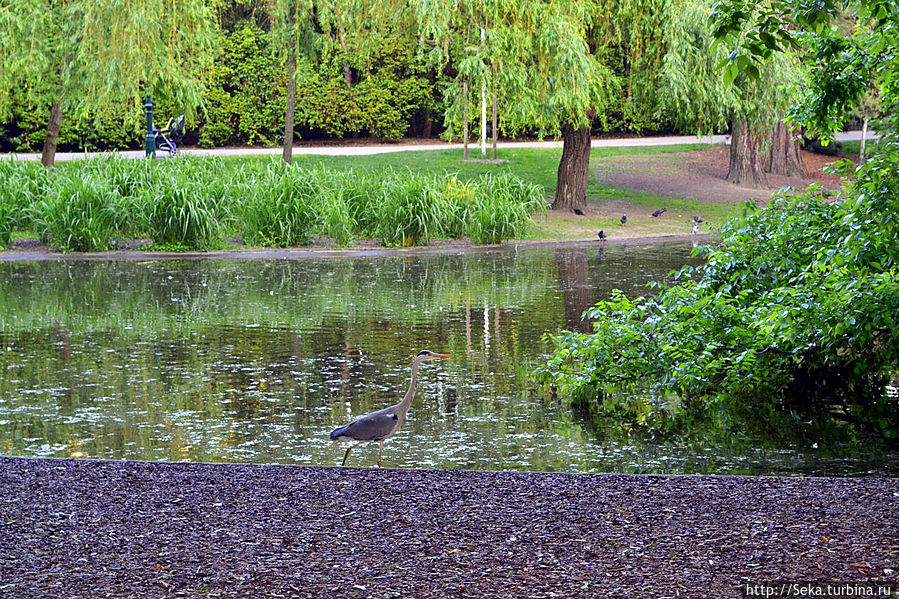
column 537, row 165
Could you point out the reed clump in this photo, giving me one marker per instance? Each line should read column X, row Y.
column 201, row 203
column 21, row 185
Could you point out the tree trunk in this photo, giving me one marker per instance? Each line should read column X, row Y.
column 745, row 159
column 494, row 116
column 571, row 183
column 861, row 150
column 483, row 140
column 483, row 109
column 784, row 156
column 348, row 76
column 48, row 155
column 289, row 114
column 465, row 119
column 347, row 70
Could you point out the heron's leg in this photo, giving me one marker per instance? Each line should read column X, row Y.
column 380, row 446
column 347, row 454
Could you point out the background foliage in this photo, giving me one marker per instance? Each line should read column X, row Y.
column 395, row 90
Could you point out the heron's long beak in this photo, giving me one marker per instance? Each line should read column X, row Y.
column 441, row 356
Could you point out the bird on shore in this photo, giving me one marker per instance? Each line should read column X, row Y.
column 695, row 228
column 659, row 212
column 602, row 236
column 378, row 426
column 623, row 219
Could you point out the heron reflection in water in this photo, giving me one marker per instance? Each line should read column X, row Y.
column 379, row 426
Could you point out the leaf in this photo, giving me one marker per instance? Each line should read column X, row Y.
column 730, row 74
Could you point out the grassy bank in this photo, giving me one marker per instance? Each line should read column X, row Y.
column 205, row 203
column 403, row 198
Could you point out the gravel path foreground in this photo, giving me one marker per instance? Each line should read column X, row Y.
column 86, row 528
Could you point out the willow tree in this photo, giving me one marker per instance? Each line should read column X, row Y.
column 81, row 56
column 559, row 65
column 345, row 35
column 291, row 30
column 458, row 40
column 354, row 31
column 696, row 96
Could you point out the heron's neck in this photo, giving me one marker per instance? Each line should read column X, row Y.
column 404, row 405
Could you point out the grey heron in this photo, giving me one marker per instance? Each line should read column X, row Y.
column 382, row 424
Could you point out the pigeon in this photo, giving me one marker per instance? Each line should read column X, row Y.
column 659, row 212
column 623, row 218
column 602, row 236
column 698, row 219
column 578, row 211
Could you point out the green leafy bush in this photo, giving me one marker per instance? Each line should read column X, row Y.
column 246, row 97
column 799, row 304
column 381, row 104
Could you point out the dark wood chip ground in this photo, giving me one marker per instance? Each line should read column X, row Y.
column 83, row 528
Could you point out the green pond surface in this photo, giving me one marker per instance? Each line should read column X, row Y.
column 257, row 360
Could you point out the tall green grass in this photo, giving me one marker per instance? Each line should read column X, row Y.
column 7, row 226
column 185, row 205
column 198, row 203
column 502, row 209
column 77, row 213
column 411, row 209
column 21, row 184
column 279, row 206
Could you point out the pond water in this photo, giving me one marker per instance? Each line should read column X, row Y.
column 257, row 360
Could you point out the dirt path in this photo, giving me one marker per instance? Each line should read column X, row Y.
column 79, row 528
column 700, row 175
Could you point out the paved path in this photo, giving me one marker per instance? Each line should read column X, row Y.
column 365, row 150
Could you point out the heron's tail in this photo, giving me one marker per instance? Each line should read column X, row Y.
column 338, row 432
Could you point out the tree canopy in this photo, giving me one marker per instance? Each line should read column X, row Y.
column 81, row 57
column 838, row 67
column 558, row 66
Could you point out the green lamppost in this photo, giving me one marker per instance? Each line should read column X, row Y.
column 150, row 140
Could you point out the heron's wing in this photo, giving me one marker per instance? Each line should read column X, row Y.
column 371, row 427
